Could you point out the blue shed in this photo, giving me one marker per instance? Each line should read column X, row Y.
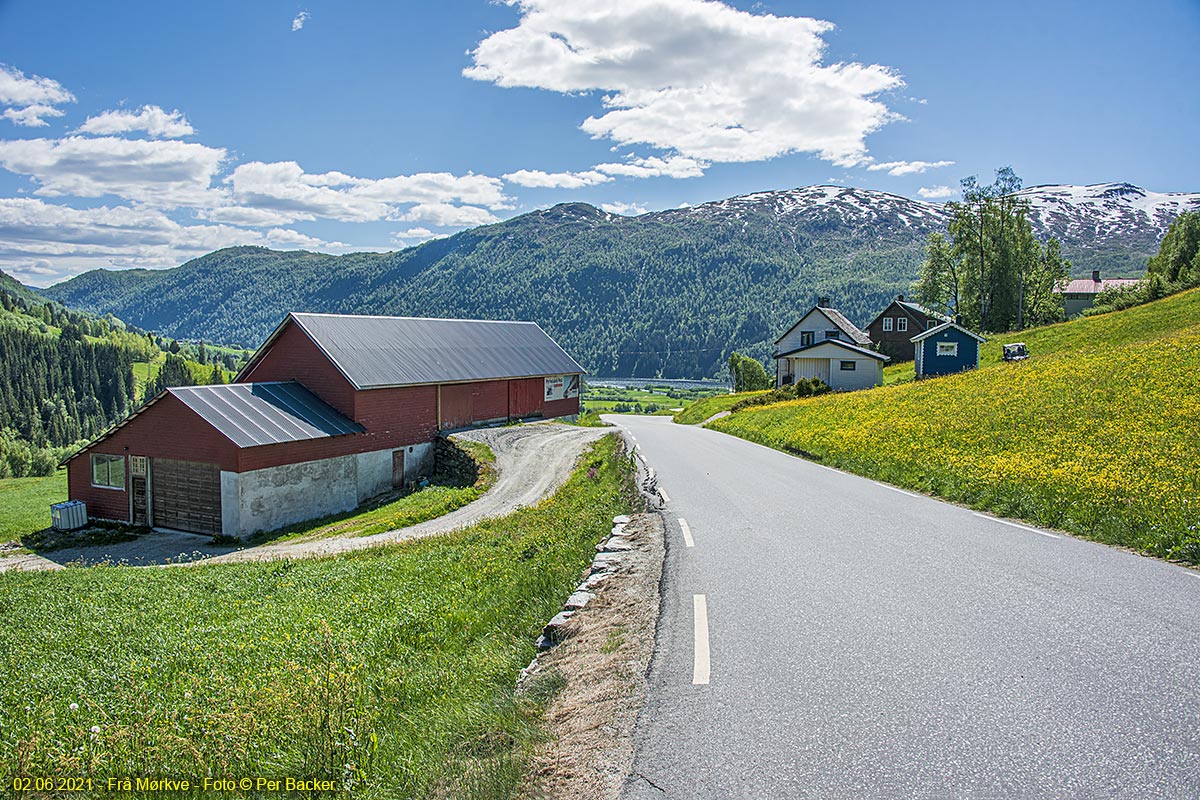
column 946, row 349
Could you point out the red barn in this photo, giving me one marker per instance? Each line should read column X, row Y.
column 330, row 411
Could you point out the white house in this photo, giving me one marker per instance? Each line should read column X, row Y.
column 826, row 345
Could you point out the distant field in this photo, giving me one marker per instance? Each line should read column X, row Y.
column 26, row 503
column 1097, row 433
column 647, row 400
column 703, row 409
column 389, row 670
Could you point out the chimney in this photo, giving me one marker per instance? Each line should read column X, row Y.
column 900, row 297
column 958, row 319
column 822, row 302
column 1095, row 276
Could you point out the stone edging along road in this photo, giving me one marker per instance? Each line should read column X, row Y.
column 532, row 461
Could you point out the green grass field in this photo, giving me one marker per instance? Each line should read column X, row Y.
column 390, row 670
column 1097, row 433
column 641, row 400
column 26, row 503
column 701, row 410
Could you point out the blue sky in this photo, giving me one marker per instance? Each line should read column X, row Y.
column 144, row 134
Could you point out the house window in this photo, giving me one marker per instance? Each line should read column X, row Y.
column 806, row 338
column 887, row 323
column 947, row 348
column 108, row 472
column 832, row 334
column 931, row 324
column 901, row 323
column 849, row 366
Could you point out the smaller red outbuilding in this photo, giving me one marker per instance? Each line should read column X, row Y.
column 330, row 411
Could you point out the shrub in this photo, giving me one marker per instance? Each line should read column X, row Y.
column 803, row 387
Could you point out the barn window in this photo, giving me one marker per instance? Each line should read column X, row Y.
column 887, row 323
column 901, row 323
column 947, row 348
column 108, row 472
column 849, row 366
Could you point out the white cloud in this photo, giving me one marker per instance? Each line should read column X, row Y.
column 907, row 167
column 67, row 240
column 151, row 119
column 18, row 90
column 624, row 209
column 161, row 173
column 768, row 93
column 29, row 100
column 654, row 167
column 31, row 116
column 444, row 215
column 535, row 178
column 284, row 187
column 936, row 192
column 299, row 20
column 413, row 236
column 250, row 217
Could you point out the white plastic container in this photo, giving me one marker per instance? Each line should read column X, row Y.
column 69, row 516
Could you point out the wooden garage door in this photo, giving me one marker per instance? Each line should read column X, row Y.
column 186, row 495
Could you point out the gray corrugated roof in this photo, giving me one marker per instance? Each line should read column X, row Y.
column 253, row 414
column 374, row 352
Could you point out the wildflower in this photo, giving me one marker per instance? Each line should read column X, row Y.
column 74, row 706
column 95, row 729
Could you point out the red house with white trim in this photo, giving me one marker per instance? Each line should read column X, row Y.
column 330, row 411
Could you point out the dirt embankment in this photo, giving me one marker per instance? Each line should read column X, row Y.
column 602, row 664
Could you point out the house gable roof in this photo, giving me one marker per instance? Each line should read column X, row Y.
column 838, row 343
column 379, row 352
column 914, row 310
column 920, row 337
column 838, row 319
column 1089, row 286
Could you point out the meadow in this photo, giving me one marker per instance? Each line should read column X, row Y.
column 1096, row 434
column 641, row 400
column 25, row 503
column 389, row 670
column 702, row 409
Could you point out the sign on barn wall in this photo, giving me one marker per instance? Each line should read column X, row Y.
column 562, row 387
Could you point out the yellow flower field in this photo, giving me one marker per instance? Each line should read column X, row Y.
column 1100, row 440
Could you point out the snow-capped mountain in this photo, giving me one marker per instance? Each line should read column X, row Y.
column 1109, row 226
column 1106, row 214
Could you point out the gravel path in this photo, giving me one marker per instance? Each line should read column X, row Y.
column 531, row 461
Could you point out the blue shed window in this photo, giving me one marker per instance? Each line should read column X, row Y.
column 849, row 366
column 947, row 348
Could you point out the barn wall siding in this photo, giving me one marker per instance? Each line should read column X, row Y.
column 294, row 357
column 526, row 397
column 167, row 429
column 560, row 408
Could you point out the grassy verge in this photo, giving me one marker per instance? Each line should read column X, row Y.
column 701, row 410
column 390, row 670
column 26, row 503
column 391, row 512
column 1102, row 441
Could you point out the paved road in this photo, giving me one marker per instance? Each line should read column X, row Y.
column 867, row 643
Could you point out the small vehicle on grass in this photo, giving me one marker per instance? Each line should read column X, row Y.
column 1015, row 352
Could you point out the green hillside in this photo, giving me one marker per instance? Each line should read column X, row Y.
column 1097, row 433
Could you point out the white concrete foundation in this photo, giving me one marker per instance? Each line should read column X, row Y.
column 275, row 497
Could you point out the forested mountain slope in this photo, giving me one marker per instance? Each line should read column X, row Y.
column 669, row 293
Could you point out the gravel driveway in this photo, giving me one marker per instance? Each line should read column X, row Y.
column 531, row 461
